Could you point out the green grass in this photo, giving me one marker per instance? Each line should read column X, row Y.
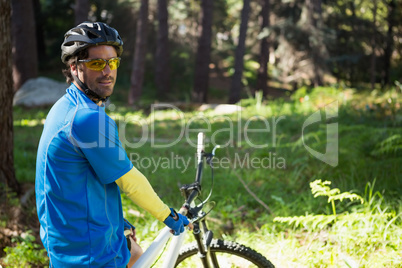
column 279, row 173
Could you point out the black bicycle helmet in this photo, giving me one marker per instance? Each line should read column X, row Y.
column 89, row 34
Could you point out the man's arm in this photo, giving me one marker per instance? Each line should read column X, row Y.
column 139, row 190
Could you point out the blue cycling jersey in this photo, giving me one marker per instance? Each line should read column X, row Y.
column 78, row 203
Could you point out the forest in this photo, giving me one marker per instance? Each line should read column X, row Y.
column 309, row 169
column 222, row 50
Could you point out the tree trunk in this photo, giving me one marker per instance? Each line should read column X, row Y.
column 162, row 51
column 389, row 47
column 137, row 74
column 373, row 48
column 40, row 36
column 203, row 57
column 81, row 11
column 7, row 173
column 25, row 64
column 235, row 89
column 316, row 41
column 353, row 77
column 262, row 75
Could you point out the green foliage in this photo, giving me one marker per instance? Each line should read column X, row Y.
column 321, row 188
column 310, row 222
column 355, row 237
column 26, row 253
column 369, row 129
column 11, row 197
column 390, row 146
column 345, row 52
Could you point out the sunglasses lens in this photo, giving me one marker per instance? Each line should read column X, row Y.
column 100, row 64
column 114, row 63
column 96, row 65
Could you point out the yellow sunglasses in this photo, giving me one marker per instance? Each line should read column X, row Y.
column 100, row 64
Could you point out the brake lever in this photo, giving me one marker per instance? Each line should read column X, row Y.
column 212, row 154
column 213, row 150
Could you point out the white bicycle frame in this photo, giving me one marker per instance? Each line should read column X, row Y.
column 154, row 250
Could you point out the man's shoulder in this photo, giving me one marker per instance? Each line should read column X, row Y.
column 88, row 115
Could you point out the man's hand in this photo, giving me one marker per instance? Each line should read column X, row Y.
column 176, row 222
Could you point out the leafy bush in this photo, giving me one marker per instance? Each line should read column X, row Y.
column 26, row 253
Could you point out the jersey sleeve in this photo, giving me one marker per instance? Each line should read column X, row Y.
column 139, row 190
column 95, row 135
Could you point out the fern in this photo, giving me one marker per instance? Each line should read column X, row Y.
column 390, row 146
column 312, row 222
column 321, row 188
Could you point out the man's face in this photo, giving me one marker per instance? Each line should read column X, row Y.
column 101, row 82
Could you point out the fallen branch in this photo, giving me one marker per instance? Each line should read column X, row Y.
column 249, row 190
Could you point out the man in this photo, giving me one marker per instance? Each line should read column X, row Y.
column 82, row 166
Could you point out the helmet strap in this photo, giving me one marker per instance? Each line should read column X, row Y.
column 90, row 93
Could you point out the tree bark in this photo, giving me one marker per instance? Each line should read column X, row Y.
column 262, row 75
column 316, row 40
column 162, row 51
column 203, row 57
column 137, row 74
column 373, row 48
column 25, row 64
column 235, row 89
column 81, row 11
column 40, row 36
column 389, row 47
column 7, row 173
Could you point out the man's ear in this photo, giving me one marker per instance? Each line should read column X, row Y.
column 74, row 69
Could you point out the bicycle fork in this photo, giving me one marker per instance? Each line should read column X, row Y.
column 203, row 244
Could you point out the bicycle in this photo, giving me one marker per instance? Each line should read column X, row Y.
column 206, row 251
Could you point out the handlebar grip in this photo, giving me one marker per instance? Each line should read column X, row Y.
column 200, row 146
column 183, row 211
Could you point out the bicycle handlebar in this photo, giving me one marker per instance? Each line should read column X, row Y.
column 191, row 191
column 200, row 146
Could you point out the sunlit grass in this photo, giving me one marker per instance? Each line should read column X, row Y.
column 369, row 129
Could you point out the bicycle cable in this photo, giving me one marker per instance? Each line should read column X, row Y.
column 209, row 162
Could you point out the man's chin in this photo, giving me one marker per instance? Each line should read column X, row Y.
column 105, row 92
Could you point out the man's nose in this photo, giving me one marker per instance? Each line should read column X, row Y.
column 106, row 70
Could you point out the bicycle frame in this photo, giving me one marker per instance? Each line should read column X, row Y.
column 207, row 252
column 154, row 250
